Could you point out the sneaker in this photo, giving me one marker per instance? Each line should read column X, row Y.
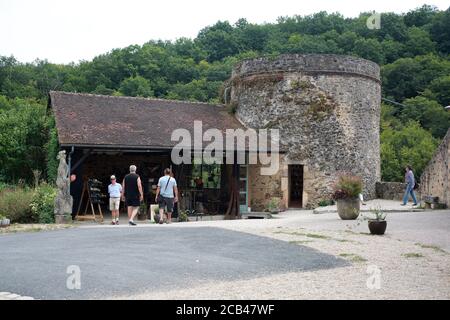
column 113, row 222
column 161, row 221
column 131, row 223
column 403, row 204
column 117, row 222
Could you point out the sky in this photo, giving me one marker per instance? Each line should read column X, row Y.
column 64, row 31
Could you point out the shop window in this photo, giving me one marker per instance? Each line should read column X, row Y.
column 206, row 175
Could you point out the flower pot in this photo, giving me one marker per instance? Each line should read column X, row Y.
column 377, row 226
column 142, row 216
column 348, row 209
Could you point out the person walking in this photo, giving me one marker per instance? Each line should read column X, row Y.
column 115, row 193
column 132, row 194
column 166, row 195
column 410, row 183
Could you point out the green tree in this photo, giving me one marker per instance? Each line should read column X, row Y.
column 23, row 135
column 440, row 30
column 218, row 41
column 136, row 86
column 407, row 77
column 369, row 49
column 410, row 145
column 419, row 42
column 420, row 16
column 429, row 113
column 440, row 90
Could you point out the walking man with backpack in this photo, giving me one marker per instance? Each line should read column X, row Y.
column 166, row 195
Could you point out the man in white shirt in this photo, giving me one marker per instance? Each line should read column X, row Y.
column 115, row 192
column 166, row 195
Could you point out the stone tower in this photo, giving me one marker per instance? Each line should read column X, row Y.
column 327, row 108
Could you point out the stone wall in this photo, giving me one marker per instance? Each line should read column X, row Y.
column 262, row 188
column 327, row 108
column 390, row 190
column 436, row 176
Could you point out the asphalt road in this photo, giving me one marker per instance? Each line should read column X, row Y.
column 115, row 261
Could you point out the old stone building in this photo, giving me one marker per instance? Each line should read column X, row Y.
column 435, row 179
column 327, row 108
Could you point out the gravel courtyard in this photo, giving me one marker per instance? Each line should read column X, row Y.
column 413, row 258
column 296, row 255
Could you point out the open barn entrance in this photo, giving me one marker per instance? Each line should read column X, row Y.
column 203, row 188
column 296, row 186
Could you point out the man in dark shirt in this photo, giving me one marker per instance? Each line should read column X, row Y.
column 132, row 193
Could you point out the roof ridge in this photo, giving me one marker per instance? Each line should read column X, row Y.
column 138, row 98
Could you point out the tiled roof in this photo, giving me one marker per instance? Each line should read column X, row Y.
column 98, row 120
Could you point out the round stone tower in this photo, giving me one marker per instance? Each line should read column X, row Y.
column 327, row 108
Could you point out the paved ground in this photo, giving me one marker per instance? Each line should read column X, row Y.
column 298, row 255
column 123, row 260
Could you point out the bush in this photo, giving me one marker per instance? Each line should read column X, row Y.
column 325, row 202
column 347, row 187
column 274, row 204
column 43, row 202
column 183, row 216
column 15, row 204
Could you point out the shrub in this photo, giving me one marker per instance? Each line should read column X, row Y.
column 183, row 216
column 325, row 202
column 347, row 187
column 274, row 204
column 43, row 202
column 15, row 204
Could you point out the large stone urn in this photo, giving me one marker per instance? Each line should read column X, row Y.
column 348, row 208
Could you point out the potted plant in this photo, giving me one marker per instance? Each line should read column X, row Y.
column 183, row 216
column 156, row 215
column 4, row 222
column 142, row 214
column 346, row 195
column 378, row 224
column 273, row 205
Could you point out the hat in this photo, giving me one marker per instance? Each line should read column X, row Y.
column 113, row 177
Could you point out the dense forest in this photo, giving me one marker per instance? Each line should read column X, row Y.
column 412, row 48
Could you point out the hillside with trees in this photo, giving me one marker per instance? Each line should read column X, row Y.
column 412, row 48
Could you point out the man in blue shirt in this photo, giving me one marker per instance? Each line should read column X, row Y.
column 115, row 192
column 166, row 195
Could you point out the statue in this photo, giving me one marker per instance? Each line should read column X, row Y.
column 63, row 200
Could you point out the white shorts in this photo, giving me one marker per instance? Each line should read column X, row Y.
column 114, row 204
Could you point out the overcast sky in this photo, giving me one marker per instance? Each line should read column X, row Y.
column 71, row 30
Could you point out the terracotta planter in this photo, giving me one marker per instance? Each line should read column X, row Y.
column 348, row 209
column 377, row 226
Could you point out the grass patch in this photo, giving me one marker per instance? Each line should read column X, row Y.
column 309, row 235
column 344, row 240
column 317, row 236
column 300, row 241
column 15, row 228
column 433, row 247
column 412, row 255
column 352, row 257
column 312, row 236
